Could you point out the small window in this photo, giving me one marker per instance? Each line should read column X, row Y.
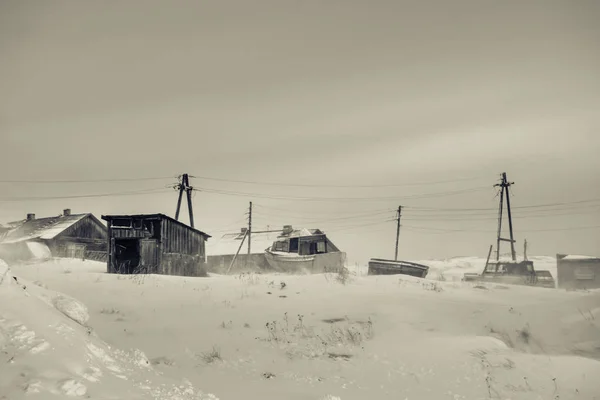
column 584, row 273
column 121, row 223
column 149, row 227
column 137, row 223
column 529, row 268
column 320, row 247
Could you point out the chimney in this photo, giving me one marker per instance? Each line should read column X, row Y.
column 67, row 212
column 287, row 229
column 30, row 217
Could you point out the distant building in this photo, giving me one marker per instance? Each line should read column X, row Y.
column 155, row 244
column 67, row 235
column 577, row 272
column 284, row 250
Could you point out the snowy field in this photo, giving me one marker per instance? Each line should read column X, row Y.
column 68, row 328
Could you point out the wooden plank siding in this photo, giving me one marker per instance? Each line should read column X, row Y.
column 86, row 239
column 88, row 228
column 165, row 246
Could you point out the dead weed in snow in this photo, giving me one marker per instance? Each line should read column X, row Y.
column 338, row 341
column 211, row 356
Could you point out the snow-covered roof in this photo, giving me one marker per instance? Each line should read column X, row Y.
column 260, row 241
column 41, row 228
column 579, row 257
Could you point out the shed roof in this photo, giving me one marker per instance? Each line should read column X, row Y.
column 261, row 240
column 154, row 216
column 579, row 257
column 42, row 228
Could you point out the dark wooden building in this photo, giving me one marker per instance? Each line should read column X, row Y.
column 67, row 235
column 154, row 244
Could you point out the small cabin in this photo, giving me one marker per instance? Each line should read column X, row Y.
column 154, row 244
column 577, row 272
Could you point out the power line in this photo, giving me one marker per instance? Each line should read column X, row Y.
column 288, row 211
column 336, row 186
column 341, row 199
column 318, row 219
column 343, row 228
column 42, row 198
column 88, row 180
column 248, row 182
column 529, row 211
column 410, row 227
column 479, row 218
column 416, row 208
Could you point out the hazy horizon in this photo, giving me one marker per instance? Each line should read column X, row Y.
column 435, row 98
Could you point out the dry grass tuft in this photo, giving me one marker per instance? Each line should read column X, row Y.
column 211, row 356
column 342, row 337
column 432, row 286
column 249, row 278
column 340, row 275
column 110, row 311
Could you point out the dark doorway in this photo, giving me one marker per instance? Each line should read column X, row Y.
column 127, row 256
column 294, row 245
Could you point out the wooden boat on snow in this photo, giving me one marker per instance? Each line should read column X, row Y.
column 380, row 266
column 304, row 251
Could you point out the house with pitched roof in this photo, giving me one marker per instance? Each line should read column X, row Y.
column 67, row 235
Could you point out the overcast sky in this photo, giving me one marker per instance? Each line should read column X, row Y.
column 331, row 93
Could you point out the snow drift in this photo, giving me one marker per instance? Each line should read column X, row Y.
column 293, row 337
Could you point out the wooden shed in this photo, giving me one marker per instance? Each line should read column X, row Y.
column 577, row 272
column 154, row 244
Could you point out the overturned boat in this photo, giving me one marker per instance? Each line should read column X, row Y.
column 380, row 266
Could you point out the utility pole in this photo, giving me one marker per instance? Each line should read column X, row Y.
column 399, row 212
column 249, row 228
column 504, row 190
column 525, row 250
column 238, row 252
column 499, row 224
column 184, row 185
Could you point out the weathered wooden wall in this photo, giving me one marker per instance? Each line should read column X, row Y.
column 85, row 249
column 171, row 248
column 86, row 228
column 177, row 238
